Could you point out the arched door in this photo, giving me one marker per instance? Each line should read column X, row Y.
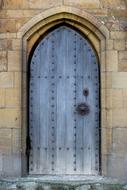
column 64, row 105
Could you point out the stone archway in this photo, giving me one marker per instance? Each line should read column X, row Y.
column 94, row 30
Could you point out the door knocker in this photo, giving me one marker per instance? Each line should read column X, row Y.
column 83, row 109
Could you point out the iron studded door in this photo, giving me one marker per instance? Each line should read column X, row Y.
column 64, row 105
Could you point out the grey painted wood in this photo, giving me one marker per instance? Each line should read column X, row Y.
column 63, row 141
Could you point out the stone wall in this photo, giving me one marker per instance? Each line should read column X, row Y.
column 112, row 14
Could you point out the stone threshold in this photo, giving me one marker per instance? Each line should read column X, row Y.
column 67, row 182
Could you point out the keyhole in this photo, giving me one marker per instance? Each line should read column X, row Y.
column 86, row 92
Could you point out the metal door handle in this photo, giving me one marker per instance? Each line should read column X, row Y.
column 83, row 109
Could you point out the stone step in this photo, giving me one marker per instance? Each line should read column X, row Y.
column 61, row 184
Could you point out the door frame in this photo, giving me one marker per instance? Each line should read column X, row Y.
column 96, row 33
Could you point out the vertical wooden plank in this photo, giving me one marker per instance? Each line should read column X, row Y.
column 70, row 101
column 34, row 112
column 64, row 101
column 44, row 105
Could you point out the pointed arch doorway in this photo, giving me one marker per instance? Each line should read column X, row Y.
column 64, row 105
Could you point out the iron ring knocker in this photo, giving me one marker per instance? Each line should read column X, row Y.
column 83, row 109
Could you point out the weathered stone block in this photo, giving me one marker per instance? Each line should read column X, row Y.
column 114, row 4
column 2, row 12
column 106, row 116
column 122, row 67
column 123, row 55
column 112, row 98
column 14, row 61
column 125, row 98
column 8, row 35
column 10, row 118
column 120, row 141
column 19, row 22
column 86, row 4
column 6, row 80
column 7, row 25
column 103, row 61
column 14, row 14
column 117, row 98
column 11, row 165
column 123, row 24
column 17, row 79
column 109, row 44
column 118, row 35
column 123, row 61
column 106, row 97
column 111, row 60
column 5, row 140
column 106, row 80
column 116, row 166
column 3, row 61
column 119, row 118
column 13, row 98
column 2, row 98
column 44, row 4
column 12, row 4
column 119, row 44
column 16, row 141
column 16, row 44
column 119, row 80
column 5, row 44
column 106, row 135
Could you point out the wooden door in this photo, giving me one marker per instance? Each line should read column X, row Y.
column 64, row 105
